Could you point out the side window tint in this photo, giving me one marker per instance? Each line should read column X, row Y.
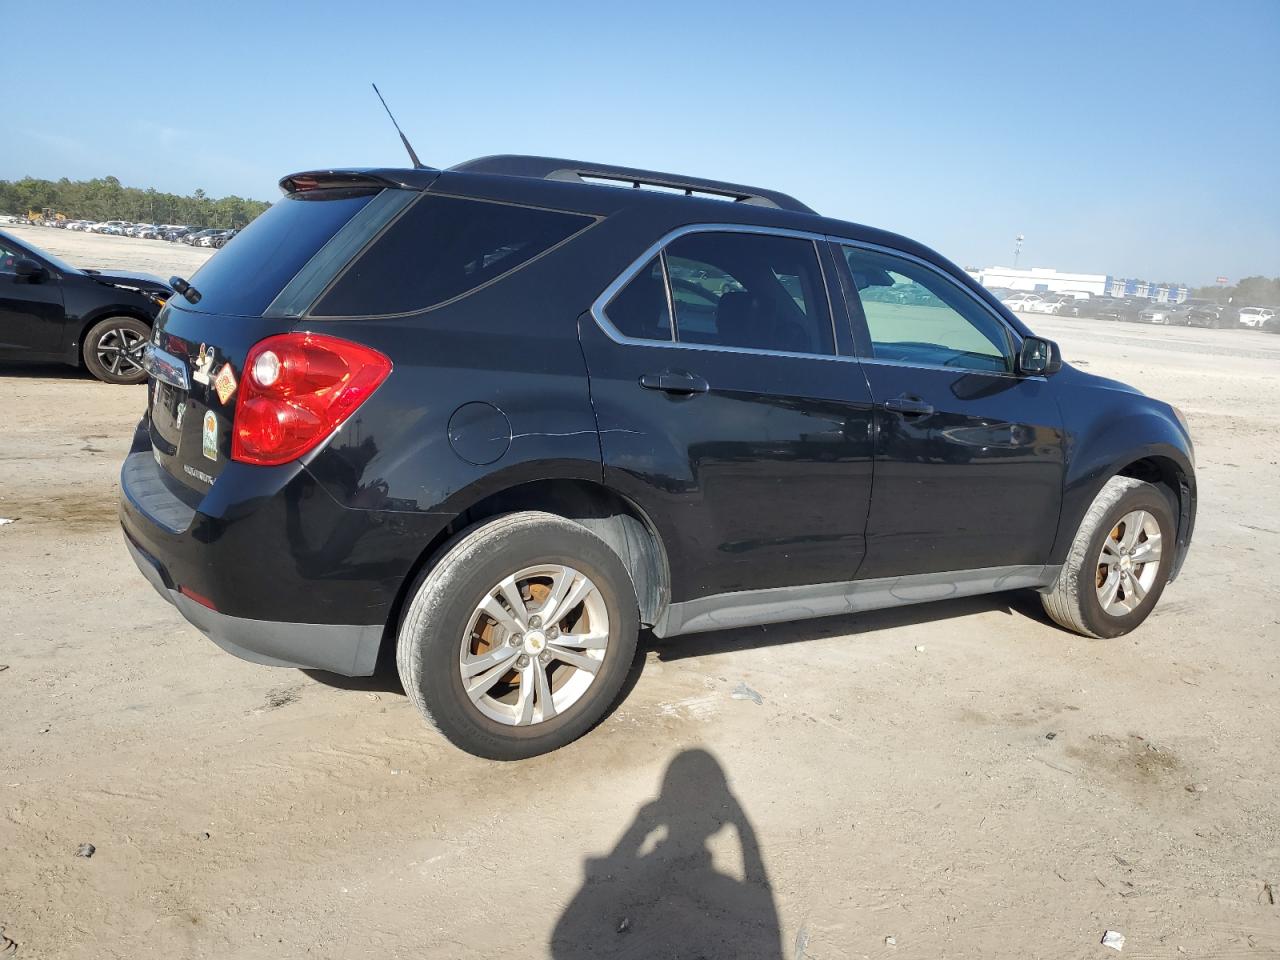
column 441, row 248
column 749, row 290
column 640, row 309
column 916, row 316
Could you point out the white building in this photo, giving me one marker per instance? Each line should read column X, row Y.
column 1045, row 280
column 1042, row 280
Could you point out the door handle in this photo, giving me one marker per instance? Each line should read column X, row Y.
column 674, row 382
column 909, row 406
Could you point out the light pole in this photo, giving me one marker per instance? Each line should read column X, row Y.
column 1017, row 249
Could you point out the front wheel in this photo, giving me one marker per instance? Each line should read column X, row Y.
column 113, row 348
column 518, row 639
column 1119, row 561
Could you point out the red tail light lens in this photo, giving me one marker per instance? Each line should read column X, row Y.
column 296, row 389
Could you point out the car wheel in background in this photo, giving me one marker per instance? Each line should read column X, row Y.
column 113, row 348
column 1119, row 561
column 519, row 637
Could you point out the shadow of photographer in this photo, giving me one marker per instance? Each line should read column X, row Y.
column 658, row 894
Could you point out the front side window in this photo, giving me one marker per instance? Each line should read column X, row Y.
column 915, row 315
column 441, row 248
column 754, row 291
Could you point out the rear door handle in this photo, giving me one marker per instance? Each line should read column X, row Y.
column 911, row 406
column 670, row 381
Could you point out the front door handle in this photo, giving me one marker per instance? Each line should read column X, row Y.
column 671, row 381
column 911, row 406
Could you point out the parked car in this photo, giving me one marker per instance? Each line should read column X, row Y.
column 1051, row 303
column 221, row 241
column 1255, row 317
column 1121, row 308
column 211, row 238
column 1022, row 302
column 175, row 234
column 52, row 311
column 1211, row 315
column 586, row 409
column 1167, row 314
column 194, row 238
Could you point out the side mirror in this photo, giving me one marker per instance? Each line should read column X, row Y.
column 1039, row 357
column 28, row 269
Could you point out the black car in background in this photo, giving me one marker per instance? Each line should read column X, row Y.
column 52, row 311
column 1122, row 308
column 495, row 419
column 1214, row 316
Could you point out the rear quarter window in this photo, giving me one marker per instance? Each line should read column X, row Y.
column 441, row 248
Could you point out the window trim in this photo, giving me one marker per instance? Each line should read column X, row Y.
column 1014, row 337
column 601, row 303
column 418, row 311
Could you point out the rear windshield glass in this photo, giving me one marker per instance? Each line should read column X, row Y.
column 245, row 275
column 442, row 248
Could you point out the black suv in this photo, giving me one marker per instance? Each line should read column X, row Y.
column 495, row 419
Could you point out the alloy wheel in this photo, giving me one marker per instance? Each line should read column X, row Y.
column 1128, row 563
column 534, row 645
column 119, row 350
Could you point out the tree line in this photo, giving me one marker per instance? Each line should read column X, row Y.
column 1248, row 292
column 105, row 199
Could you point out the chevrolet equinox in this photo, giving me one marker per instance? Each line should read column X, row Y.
column 496, row 419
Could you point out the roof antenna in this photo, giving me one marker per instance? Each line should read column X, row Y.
column 418, row 164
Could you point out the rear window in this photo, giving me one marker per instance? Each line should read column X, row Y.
column 442, row 248
column 245, row 275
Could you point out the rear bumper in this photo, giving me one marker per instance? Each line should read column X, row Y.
column 289, row 576
column 351, row 650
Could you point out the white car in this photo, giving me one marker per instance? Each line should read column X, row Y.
column 1050, row 304
column 1256, row 317
column 1022, row 302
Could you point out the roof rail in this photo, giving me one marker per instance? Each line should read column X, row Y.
column 579, row 171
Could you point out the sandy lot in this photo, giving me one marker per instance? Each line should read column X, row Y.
column 114, row 253
column 961, row 777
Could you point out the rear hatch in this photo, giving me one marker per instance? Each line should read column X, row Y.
column 258, row 285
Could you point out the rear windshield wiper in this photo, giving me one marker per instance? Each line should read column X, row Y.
column 187, row 290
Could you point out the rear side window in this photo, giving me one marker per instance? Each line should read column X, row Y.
column 247, row 274
column 442, row 248
column 756, row 291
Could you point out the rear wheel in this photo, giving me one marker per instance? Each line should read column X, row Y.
column 518, row 639
column 113, row 348
column 1119, row 561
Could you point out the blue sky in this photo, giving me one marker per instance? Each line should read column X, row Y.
column 1133, row 138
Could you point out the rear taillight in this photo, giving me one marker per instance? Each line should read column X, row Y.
column 296, row 389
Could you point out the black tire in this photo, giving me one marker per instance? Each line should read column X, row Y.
column 112, row 350
column 439, row 613
column 1073, row 601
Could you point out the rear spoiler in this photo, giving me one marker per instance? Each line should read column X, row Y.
column 361, row 177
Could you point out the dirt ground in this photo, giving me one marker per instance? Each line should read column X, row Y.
column 960, row 779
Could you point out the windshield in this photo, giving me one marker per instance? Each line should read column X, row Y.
column 60, row 265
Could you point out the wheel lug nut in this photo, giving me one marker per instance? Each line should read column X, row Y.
column 553, row 632
column 544, row 657
column 522, row 662
column 535, row 622
column 515, row 640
